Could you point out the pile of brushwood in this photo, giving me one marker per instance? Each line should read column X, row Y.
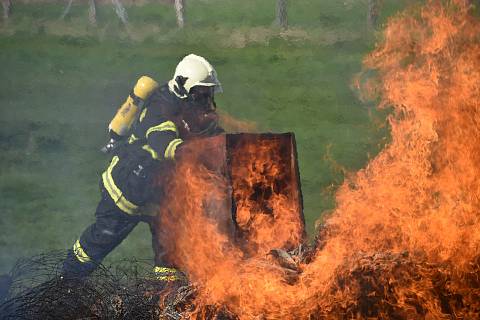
column 383, row 286
column 392, row 286
column 127, row 291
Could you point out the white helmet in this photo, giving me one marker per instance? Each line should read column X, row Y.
column 193, row 71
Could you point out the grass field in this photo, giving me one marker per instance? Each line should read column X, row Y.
column 62, row 81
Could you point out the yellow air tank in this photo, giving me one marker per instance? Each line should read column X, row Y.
column 130, row 109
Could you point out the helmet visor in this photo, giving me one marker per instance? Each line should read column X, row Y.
column 202, row 97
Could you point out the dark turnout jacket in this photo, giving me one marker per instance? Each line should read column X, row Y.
column 155, row 139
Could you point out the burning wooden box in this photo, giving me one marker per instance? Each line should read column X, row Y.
column 251, row 189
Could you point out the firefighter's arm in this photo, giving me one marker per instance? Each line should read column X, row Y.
column 121, row 123
column 163, row 140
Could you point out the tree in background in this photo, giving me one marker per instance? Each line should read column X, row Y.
column 120, row 10
column 282, row 17
column 373, row 13
column 180, row 12
column 92, row 11
column 6, row 8
column 67, row 9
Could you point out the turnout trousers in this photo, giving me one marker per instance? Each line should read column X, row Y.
column 111, row 227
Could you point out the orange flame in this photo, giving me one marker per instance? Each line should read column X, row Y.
column 421, row 194
column 266, row 216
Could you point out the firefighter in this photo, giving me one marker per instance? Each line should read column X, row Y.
column 146, row 134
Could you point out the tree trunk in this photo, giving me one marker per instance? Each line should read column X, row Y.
column 120, row 11
column 6, row 8
column 92, row 12
column 67, row 9
column 282, row 16
column 373, row 12
column 180, row 11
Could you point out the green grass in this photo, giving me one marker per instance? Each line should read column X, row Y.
column 62, row 81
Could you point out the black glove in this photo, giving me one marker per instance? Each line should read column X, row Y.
column 114, row 142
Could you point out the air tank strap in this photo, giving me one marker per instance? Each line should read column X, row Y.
column 139, row 102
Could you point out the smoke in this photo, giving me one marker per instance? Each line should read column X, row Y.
column 231, row 124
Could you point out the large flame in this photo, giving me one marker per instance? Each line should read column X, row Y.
column 420, row 195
